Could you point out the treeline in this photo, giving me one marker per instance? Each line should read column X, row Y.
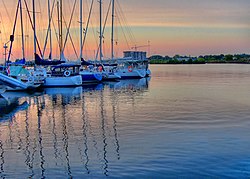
column 177, row 59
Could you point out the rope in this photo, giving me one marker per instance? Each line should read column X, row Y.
column 32, row 26
column 104, row 27
column 13, row 32
column 73, row 10
column 72, row 43
column 6, row 11
column 47, row 34
column 127, row 27
column 87, row 25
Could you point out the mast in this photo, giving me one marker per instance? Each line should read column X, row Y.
column 112, row 29
column 100, row 31
column 59, row 14
column 13, row 32
column 21, row 18
column 34, row 24
column 61, row 24
column 50, row 35
column 81, row 38
column 58, row 23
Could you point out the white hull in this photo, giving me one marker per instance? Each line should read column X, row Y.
column 16, row 84
column 135, row 73
column 63, row 81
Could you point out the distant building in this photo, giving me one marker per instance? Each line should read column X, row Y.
column 135, row 55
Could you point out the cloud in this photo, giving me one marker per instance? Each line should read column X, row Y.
column 192, row 12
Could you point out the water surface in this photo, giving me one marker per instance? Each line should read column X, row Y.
column 186, row 121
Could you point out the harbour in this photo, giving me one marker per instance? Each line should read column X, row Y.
column 115, row 128
column 124, row 89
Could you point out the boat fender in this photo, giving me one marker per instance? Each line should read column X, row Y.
column 100, row 68
column 130, row 69
column 31, row 79
column 67, row 73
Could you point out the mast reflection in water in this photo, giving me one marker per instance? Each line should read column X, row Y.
column 188, row 121
column 62, row 132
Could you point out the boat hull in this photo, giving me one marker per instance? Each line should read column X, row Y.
column 111, row 76
column 91, row 77
column 63, row 81
column 136, row 73
column 13, row 84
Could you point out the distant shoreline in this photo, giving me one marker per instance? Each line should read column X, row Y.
column 207, row 59
column 199, row 63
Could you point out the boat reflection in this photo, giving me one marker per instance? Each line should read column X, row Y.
column 67, row 131
column 130, row 84
column 9, row 108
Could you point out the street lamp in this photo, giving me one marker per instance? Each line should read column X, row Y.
column 5, row 52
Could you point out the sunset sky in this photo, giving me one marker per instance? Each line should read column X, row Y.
column 185, row 27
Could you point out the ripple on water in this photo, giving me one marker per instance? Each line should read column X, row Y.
column 186, row 122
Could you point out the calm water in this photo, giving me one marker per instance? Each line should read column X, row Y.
column 186, row 121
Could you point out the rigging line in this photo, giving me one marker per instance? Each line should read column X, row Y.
column 94, row 30
column 68, row 28
column 123, row 32
column 4, row 30
column 127, row 27
column 32, row 25
column 123, row 19
column 104, row 27
column 87, row 25
column 72, row 43
column 6, row 11
column 39, row 19
column 49, row 27
column 13, row 32
column 53, row 23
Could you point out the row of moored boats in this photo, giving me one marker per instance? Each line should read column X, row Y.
column 55, row 73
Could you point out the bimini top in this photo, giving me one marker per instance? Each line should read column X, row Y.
column 85, row 63
column 39, row 61
column 66, row 65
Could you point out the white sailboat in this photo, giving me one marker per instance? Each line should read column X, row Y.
column 108, row 72
column 134, row 64
column 61, row 73
column 18, row 77
column 89, row 73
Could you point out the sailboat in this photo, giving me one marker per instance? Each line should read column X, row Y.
column 16, row 76
column 60, row 73
column 109, row 71
column 90, row 73
column 63, row 72
column 134, row 64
